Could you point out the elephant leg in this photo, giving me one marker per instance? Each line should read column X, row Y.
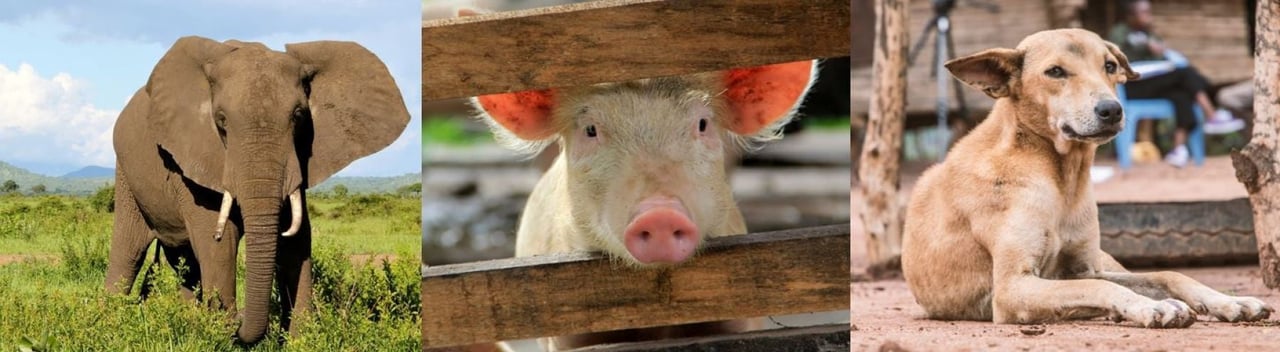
column 217, row 257
column 218, row 268
column 183, row 260
column 129, row 240
column 294, row 276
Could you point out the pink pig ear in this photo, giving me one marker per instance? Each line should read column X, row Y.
column 760, row 97
column 525, row 114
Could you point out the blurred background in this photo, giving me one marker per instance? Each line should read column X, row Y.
column 1213, row 36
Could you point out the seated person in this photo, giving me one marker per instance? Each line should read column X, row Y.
column 1184, row 86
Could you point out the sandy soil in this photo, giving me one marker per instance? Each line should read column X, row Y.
column 886, row 318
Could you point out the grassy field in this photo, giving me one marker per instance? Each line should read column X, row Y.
column 53, row 258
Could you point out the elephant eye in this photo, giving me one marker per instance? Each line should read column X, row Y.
column 220, row 120
column 1110, row 66
column 298, row 113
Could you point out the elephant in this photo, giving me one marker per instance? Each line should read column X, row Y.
column 220, row 146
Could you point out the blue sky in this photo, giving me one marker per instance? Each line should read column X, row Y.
column 67, row 68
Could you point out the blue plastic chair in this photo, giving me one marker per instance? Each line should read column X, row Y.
column 1153, row 109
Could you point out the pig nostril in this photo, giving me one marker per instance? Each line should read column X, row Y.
column 644, row 235
column 678, row 234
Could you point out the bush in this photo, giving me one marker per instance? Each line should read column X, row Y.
column 84, row 255
column 9, row 186
column 340, row 191
column 104, row 200
column 410, row 191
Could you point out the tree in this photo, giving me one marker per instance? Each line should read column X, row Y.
column 9, row 187
column 38, row 189
column 1256, row 164
column 340, row 190
column 104, row 199
column 878, row 174
column 410, row 190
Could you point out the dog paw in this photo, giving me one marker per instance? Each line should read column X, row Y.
column 1169, row 313
column 1234, row 309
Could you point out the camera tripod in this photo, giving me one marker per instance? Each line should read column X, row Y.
column 944, row 49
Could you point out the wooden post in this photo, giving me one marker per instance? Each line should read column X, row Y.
column 1256, row 165
column 882, row 149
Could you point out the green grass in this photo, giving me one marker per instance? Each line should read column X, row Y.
column 451, row 131
column 833, row 123
column 54, row 301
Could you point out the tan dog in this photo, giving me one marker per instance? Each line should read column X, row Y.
column 1007, row 229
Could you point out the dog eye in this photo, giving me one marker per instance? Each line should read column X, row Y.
column 1056, row 72
column 1111, row 67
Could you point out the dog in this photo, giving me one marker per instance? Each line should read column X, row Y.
column 1006, row 229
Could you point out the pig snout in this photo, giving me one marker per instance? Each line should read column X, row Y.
column 661, row 232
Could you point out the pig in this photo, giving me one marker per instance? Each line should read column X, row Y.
column 641, row 171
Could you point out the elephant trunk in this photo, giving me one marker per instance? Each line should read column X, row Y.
column 261, row 214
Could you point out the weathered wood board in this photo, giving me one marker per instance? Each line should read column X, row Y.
column 784, row 272
column 621, row 40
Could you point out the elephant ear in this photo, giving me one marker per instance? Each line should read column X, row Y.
column 181, row 116
column 356, row 108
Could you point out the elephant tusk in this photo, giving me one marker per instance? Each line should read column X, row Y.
column 295, row 205
column 223, row 213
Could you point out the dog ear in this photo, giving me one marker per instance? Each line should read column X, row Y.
column 1123, row 60
column 989, row 71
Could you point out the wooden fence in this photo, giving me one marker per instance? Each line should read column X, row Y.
column 796, row 271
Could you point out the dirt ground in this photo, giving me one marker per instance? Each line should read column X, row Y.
column 885, row 317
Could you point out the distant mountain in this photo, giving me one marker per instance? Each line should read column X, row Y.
column 369, row 184
column 91, row 172
column 75, row 186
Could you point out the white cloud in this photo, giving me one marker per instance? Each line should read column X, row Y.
column 51, row 121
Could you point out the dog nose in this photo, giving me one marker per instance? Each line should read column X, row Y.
column 1108, row 111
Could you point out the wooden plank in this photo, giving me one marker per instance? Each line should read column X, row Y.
column 783, row 272
column 817, row 338
column 1169, row 234
column 621, row 40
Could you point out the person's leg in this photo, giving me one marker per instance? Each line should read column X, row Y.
column 1206, row 105
column 1178, row 87
column 1237, row 97
column 1196, row 82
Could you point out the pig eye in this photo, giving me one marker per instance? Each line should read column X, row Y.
column 1111, row 67
column 702, row 125
column 591, row 131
